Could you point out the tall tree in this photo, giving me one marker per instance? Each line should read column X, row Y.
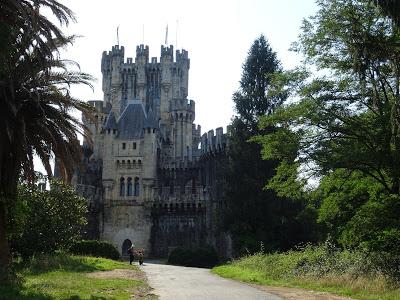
column 345, row 119
column 256, row 215
column 252, row 99
column 35, row 99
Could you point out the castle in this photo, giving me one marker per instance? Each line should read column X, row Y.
column 150, row 176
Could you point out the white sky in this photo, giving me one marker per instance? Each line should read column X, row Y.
column 217, row 34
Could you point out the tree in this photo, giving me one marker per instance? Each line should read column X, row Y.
column 349, row 118
column 342, row 125
column 48, row 220
column 391, row 8
column 254, row 214
column 36, row 102
column 252, row 99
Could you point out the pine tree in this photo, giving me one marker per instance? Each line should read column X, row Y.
column 255, row 215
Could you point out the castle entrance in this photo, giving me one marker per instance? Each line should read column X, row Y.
column 125, row 246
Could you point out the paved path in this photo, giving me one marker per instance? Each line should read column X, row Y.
column 182, row 283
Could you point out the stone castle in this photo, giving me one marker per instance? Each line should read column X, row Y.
column 149, row 175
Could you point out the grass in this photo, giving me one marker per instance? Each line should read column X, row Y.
column 65, row 277
column 343, row 273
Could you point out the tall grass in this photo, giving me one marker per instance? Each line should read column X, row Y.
column 324, row 268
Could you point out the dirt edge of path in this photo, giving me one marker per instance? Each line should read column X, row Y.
column 138, row 292
column 298, row 294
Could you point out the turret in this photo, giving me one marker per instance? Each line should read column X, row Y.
column 183, row 63
column 166, row 61
column 142, row 58
column 111, row 64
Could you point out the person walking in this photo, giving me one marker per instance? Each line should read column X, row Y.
column 131, row 251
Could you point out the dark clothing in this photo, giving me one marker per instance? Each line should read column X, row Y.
column 131, row 256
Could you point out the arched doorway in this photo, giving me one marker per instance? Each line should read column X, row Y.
column 125, row 246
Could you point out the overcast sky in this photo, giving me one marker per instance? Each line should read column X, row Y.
column 217, row 34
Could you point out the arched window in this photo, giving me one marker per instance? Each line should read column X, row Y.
column 122, row 187
column 129, row 187
column 136, row 188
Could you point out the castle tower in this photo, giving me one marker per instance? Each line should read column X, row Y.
column 111, row 64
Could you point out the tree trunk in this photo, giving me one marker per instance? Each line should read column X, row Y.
column 5, row 261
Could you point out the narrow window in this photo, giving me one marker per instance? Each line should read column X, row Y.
column 123, row 145
column 122, row 187
column 129, row 189
column 134, row 145
column 136, row 187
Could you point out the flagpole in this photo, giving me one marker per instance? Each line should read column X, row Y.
column 117, row 35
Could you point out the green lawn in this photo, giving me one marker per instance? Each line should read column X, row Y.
column 339, row 273
column 65, row 277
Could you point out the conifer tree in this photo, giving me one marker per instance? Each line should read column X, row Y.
column 255, row 215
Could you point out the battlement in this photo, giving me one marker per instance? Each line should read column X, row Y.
column 142, row 53
column 213, row 143
column 181, row 55
column 183, row 104
column 196, row 131
column 117, row 51
column 167, row 51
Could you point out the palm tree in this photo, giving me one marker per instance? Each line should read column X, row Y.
column 35, row 100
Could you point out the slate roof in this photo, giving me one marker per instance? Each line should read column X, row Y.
column 131, row 121
column 151, row 121
column 111, row 123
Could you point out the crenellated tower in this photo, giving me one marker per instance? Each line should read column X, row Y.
column 154, row 174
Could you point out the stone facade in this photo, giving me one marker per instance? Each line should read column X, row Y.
column 149, row 175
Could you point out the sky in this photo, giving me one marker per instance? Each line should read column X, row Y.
column 216, row 33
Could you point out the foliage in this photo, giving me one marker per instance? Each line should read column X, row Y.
column 95, row 248
column 36, row 101
column 252, row 99
column 200, row 257
column 51, row 220
column 347, row 118
column 324, row 268
column 63, row 276
column 255, row 214
column 342, row 125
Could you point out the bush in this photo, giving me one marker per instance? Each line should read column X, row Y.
column 205, row 257
column 46, row 221
column 95, row 248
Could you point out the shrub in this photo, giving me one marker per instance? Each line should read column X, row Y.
column 200, row 257
column 95, row 248
column 46, row 221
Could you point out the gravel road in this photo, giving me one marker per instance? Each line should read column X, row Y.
column 182, row 283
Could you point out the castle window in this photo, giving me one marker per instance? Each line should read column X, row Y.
column 134, row 145
column 123, row 145
column 108, row 131
column 139, row 161
column 114, row 131
column 136, row 187
column 122, row 187
column 129, row 187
